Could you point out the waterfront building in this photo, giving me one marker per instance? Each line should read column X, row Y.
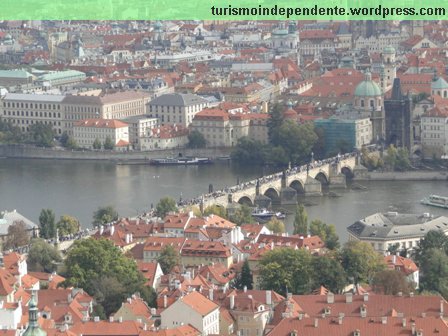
column 176, row 108
column 434, row 131
column 385, row 230
column 347, row 133
column 8, row 218
column 85, row 132
column 139, row 127
column 164, row 137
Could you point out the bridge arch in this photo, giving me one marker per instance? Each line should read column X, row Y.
column 272, row 193
column 246, row 200
column 322, row 178
column 347, row 171
column 298, row 186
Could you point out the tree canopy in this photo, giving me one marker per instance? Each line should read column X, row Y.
column 168, row 258
column 17, row 235
column 67, row 225
column 165, row 205
column 361, row 261
column 47, row 223
column 391, row 282
column 300, row 221
column 286, row 270
column 216, row 210
column 196, row 140
column 243, row 215
column 42, row 257
column 244, row 279
column 104, row 215
column 103, row 271
column 108, row 143
column 327, row 232
column 41, row 134
column 276, row 225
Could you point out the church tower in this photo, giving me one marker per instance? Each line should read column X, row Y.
column 390, row 70
column 33, row 327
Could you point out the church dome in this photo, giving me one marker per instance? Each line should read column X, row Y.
column 389, row 50
column 439, row 84
column 368, row 88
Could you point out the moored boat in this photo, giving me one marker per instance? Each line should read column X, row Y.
column 435, row 200
column 262, row 213
column 182, row 161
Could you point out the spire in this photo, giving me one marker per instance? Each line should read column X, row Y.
column 396, row 90
column 33, row 311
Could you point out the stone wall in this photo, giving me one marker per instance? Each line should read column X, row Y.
column 31, row 152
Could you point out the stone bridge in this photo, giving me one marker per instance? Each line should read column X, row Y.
column 283, row 187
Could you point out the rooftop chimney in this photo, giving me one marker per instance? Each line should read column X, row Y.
column 441, row 307
column 384, row 320
column 101, row 229
column 348, row 297
column 268, row 297
column 111, row 319
column 232, row 301
column 112, row 230
column 330, row 297
column 366, row 297
column 210, row 294
column 316, row 323
column 413, row 328
column 165, row 301
column 403, row 322
column 245, row 289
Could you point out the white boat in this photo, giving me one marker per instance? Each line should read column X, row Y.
column 262, row 213
column 180, row 161
column 435, row 200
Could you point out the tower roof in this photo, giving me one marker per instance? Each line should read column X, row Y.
column 389, row 50
column 439, row 84
column 367, row 88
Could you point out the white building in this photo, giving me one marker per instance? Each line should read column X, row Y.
column 164, row 137
column 139, row 127
column 85, row 132
column 176, row 108
column 195, row 309
column 384, row 230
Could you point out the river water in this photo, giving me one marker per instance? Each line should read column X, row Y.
column 78, row 188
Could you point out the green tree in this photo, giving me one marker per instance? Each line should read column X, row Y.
column 300, row 221
column 319, row 145
column 47, row 223
column 67, row 225
column 276, row 155
column 196, row 140
column 434, row 270
column 391, row 282
column 286, row 270
column 97, row 144
column 361, row 261
column 64, row 139
column 328, row 272
column 149, row 295
column 274, row 123
column 17, row 236
column 433, row 239
column 42, row 135
column 297, row 140
column 390, row 159
column 244, row 278
column 165, row 205
column 327, row 232
column 243, row 215
column 104, row 215
column 108, row 144
column 249, row 152
column 276, row 225
column 402, row 162
column 42, row 257
column 10, row 134
column 168, row 258
column 216, row 210
column 71, row 143
column 103, row 271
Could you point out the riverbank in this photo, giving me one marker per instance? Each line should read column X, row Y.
column 32, row 152
column 405, row 176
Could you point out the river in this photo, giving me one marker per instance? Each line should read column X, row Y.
column 78, row 188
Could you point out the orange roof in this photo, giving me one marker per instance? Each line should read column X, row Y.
column 186, row 330
column 401, row 264
column 101, row 123
column 199, row 303
column 106, row 328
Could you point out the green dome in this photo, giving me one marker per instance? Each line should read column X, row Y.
column 280, row 32
column 439, row 84
column 367, row 88
column 389, row 50
column 33, row 327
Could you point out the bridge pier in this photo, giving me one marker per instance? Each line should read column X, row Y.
column 312, row 187
column 360, row 172
column 338, row 181
column 288, row 195
column 262, row 201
